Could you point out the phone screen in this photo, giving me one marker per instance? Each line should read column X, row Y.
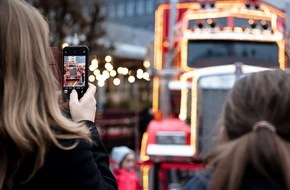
column 75, row 70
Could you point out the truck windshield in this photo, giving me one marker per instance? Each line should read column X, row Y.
column 204, row 53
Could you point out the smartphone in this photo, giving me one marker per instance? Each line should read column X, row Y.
column 75, row 70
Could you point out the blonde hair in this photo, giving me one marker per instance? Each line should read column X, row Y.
column 30, row 117
column 257, row 124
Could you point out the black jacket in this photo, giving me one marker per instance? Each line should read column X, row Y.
column 201, row 181
column 83, row 168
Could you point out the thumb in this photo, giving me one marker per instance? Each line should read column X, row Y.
column 74, row 96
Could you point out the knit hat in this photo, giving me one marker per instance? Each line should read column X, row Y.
column 119, row 153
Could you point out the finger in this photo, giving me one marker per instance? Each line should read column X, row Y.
column 74, row 96
column 92, row 88
column 90, row 91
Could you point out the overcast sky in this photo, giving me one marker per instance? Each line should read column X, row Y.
column 278, row 3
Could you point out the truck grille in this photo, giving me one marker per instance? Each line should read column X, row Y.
column 210, row 106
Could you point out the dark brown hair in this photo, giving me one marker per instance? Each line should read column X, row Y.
column 262, row 96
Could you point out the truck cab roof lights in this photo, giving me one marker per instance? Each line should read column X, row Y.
column 226, row 28
column 248, row 5
column 211, row 23
column 264, row 24
column 256, row 31
column 238, row 29
column 207, row 5
column 252, row 6
column 267, row 32
column 252, row 23
column 246, row 30
column 257, row 7
column 200, row 25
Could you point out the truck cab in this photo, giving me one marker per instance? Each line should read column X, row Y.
column 213, row 45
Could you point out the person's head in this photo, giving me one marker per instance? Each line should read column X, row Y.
column 124, row 157
column 29, row 111
column 256, row 121
column 262, row 96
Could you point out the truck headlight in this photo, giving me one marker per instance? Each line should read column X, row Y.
column 171, row 137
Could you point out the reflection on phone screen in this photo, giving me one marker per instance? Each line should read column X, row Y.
column 74, row 72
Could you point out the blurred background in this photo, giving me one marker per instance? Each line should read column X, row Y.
column 120, row 36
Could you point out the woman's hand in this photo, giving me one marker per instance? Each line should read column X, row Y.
column 85, row 108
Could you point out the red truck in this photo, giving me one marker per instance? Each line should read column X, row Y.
column 201, row 48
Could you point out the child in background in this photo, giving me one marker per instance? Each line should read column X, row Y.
column 124, row 170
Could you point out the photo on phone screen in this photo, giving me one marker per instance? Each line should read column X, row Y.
column 75, row 70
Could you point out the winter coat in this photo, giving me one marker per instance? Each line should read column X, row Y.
column 201, row 181
column 85, row 167
column 127, row 180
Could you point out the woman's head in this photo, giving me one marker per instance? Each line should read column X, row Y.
column 30, row 117
column 27, row 86
column 257, row 126
column 262, row 96
column 24, row 51
column 26, row 80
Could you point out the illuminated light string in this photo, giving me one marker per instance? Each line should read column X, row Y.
column 262, row 26
column 102, row 75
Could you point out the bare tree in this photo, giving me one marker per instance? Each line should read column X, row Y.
column 79, row 20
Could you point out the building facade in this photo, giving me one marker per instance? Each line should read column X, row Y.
column 134, row 13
